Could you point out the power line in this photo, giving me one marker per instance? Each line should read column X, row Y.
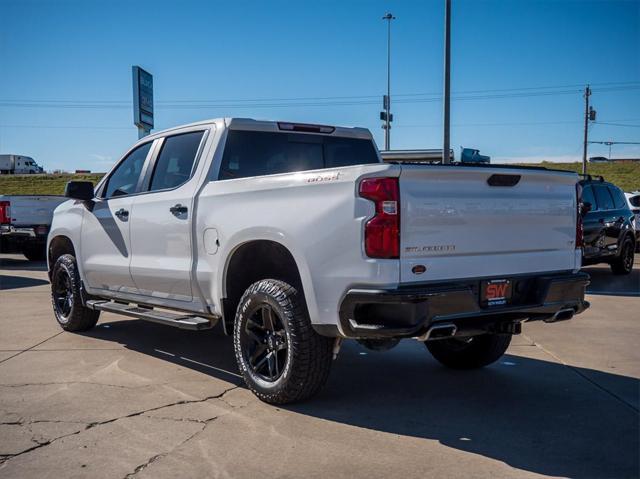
column 319, row 101
column 616, row 142
column 523, row 123
column 431, row 125
column 616, row 124
column 69, row 127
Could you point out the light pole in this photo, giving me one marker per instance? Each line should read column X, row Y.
column 609, row 143
column 386, row 100
column 447, row 82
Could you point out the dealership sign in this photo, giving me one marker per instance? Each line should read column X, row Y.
column 142, row 98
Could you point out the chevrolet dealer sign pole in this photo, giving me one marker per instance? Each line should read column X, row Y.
column 142, row 101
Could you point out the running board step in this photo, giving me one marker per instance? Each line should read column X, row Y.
column 177, row 320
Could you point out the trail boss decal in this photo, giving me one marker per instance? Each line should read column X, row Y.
column 436, row 248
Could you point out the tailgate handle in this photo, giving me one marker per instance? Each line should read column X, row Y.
column 503, row 180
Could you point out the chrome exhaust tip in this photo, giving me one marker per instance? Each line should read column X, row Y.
column 562, row 315
column 439, row 331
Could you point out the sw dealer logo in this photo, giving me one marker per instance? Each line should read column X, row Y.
column 496, row 292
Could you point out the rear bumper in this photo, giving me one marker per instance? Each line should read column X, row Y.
column 411, row 311
column 39, row 231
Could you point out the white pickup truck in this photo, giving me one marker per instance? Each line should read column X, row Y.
column 25, row 222
column 295, row 236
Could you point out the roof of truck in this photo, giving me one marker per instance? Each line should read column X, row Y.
column 267, row 125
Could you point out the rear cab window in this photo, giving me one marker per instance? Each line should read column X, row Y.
column 258, row 153
column 619, row 201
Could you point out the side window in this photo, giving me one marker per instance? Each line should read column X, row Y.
column 619, row 200
column 605, row 202
column 175, row 161
column 587, row 197
column 125, row 177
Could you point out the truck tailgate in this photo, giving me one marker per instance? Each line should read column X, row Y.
column 33, row 210
column 457, row 225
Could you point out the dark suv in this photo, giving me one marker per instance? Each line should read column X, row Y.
column 609, row 235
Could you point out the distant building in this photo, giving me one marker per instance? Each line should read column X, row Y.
column 625, row 160
column 602, row 159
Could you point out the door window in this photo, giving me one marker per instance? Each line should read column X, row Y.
column 605, row 202
column 587, row 197
column 175, row 162
column 124, row 179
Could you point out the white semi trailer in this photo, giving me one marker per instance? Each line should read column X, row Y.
column 18, row 165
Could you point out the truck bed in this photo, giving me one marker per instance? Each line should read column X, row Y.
column 32, row 210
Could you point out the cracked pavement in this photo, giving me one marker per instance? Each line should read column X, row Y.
column 135, row 399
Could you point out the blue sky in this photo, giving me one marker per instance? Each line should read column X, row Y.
column 55, row 55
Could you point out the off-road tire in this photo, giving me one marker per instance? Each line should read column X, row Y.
column 474, row 353
column 623, row 264
column 308, row 355
column 72, row 315
column 35, row 252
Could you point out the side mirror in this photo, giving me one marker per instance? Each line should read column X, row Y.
column 585, row 207
column 79, row 190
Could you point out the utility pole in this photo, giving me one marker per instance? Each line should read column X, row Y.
column 386, row 115
column 587, row 94
column 447, row 83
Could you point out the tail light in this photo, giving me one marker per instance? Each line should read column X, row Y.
column 382, row 232
column 579, row 224
column 5, row 212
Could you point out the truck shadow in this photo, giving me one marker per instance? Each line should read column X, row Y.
column 604, row 282
column 532, row 414
column 17, row 282
column 21, row 264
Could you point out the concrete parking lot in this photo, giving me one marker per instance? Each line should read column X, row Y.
column 137, row 399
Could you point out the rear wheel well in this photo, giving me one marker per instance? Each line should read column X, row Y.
column 253, row 262
column 57, row 247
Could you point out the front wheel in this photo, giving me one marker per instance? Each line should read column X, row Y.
column 469, row 353
column 623, row 264
column 281, row 357
column 66, row 297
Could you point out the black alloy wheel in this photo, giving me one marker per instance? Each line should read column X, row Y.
column 627, row 256
column 280, row 356
column 623, row 264
column 66, row 296
column 62, row 292
column 265, row 344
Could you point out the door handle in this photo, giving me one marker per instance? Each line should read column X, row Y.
column 122, row 214
column 178, row 209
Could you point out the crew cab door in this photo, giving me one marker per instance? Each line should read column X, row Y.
column 161, row 239
column 105, row 246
